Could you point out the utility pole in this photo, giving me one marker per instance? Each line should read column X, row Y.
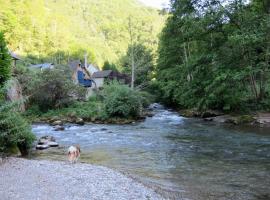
column 85, row 60
column 132, row 53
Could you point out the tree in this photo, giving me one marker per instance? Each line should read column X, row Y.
column 109, row 66
column 52, row 89
column 215, row 56
column 15, row 130
column 46, row 28
column 5, row 61
column 143, row 62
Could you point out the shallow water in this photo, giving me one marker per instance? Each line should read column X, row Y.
column 191, row 158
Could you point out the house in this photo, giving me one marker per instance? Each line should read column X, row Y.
column 73, row 66
column 100, row 77
column 92, row 69
column 14, row 58
column 43, row 66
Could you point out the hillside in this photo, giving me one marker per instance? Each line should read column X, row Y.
column 64, row 28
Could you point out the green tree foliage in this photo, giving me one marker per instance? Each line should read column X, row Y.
column 109, row 66
column 115, row 101
column 15, row 131
column 144, row 64
column 122, row 101
column 215, row 55
column 53, row 89
column 5, row 61
column 63, row 29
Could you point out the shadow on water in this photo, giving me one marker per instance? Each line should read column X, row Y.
column 195, row 159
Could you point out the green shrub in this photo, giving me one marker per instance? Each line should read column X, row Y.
column 115, row 100
column 121, row 101
column 88, row 110
column 15, row 131
column 53, row 89
column 5, row 61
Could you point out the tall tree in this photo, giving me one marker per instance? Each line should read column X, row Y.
column 215, row 55
column 143, row 64
column 5, row 61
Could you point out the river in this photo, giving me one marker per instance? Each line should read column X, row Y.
column 183, row 158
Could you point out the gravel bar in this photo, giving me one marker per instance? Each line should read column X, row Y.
column 22, row 179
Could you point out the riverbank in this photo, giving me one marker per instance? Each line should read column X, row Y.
column 31, row 179
column 83, row 114
column 81, row 120
column 261, row 119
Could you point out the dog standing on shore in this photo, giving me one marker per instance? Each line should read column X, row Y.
column 74, row 153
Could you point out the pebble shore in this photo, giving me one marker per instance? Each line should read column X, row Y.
column 22, row 179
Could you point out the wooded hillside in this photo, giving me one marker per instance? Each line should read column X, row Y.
column 215, row 54
column 62, row 28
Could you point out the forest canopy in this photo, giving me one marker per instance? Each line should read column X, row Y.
column 61, row 29
column 216, row 55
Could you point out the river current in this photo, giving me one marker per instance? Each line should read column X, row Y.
column 187, row 158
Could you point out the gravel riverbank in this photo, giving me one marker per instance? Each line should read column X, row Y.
column 22, row 179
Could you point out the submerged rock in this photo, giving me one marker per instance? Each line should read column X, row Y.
column 229, row 119
column 53, row 144
column 42, row 146
column 59, row 128
column 210, row 113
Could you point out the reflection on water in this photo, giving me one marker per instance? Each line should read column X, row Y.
column 200, row 160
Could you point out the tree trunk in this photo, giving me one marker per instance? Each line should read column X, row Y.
column 23, row 149
column 253, row 84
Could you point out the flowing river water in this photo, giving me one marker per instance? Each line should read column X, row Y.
column 184, row 158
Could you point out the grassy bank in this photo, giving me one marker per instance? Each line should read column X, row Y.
column 116, row 103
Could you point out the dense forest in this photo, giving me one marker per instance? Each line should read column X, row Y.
column 216, row 54
column 57, row 30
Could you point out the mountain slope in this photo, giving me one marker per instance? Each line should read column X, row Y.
column 66, row 27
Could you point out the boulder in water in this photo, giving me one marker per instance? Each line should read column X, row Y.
column 57, row 123
column 59, row 128
column 156, row 106
column 52, row 144
column 45, row 142
column 79, row 121
column 46, row 139
column 42, row 146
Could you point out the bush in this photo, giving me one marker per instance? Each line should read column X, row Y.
column 86, row 110
column 53, row 89
column 115, row 100
column 121, row 101
column 5, row 61
column 15, row 131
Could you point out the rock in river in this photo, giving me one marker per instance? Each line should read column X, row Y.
column 79, row 121
column 57, row 123
column 46, row 139
column 42, row 146
column 52, row 144
column 45, row 142
column 59, row 128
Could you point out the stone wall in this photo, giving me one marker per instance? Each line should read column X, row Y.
column 14, row 93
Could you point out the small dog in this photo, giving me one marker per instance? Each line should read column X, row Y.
column 74, row 153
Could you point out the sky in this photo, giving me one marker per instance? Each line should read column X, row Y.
column 155, row 3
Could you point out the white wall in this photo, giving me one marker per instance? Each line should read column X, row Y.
column 99, row 82
column 92, row 69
